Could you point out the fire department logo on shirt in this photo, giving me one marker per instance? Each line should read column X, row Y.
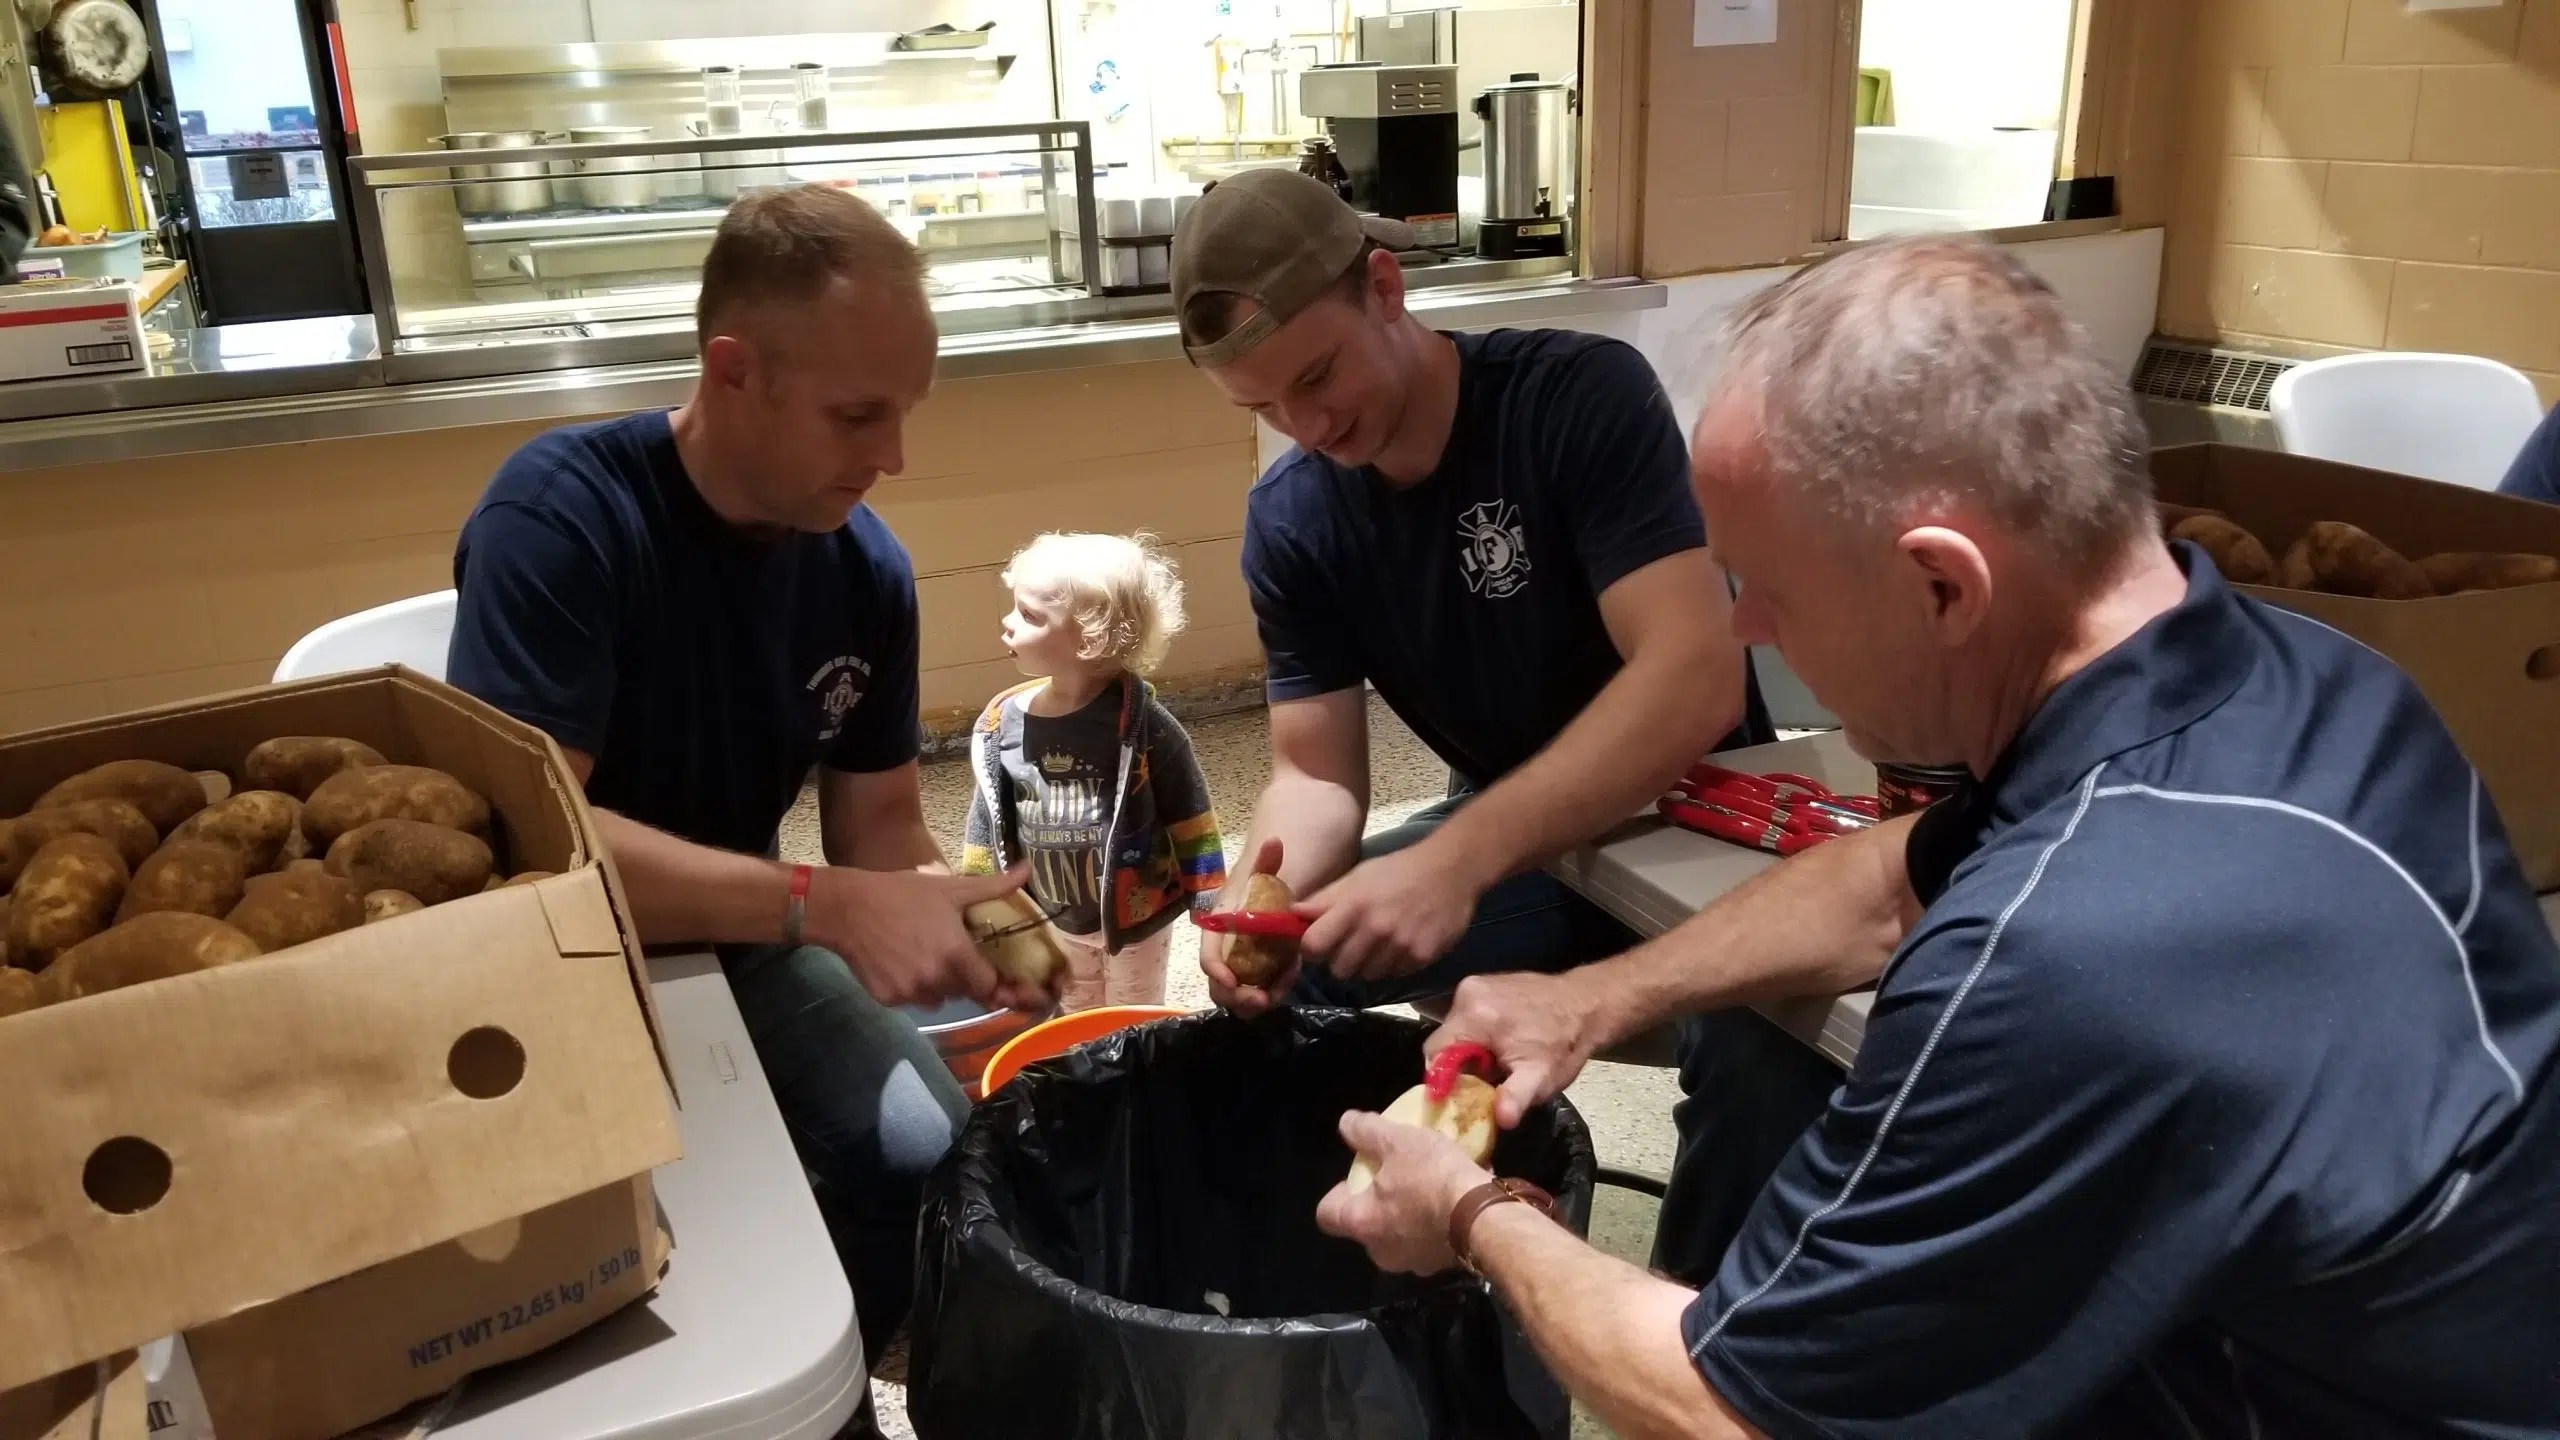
column 839, row 686
column 1492, row 550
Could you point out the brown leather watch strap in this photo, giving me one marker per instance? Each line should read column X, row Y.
column 1462, row 1220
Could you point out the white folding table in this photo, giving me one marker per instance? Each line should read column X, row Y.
column 752, row 1335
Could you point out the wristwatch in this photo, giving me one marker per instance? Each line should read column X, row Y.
column 1462, row 1220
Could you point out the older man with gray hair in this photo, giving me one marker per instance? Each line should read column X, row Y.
column 2209, row 1087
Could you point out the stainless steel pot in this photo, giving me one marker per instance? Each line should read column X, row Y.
column 621, row 182
column 1528, row 149
column 504, row 188
column 682, row 178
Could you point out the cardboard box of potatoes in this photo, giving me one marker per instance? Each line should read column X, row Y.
column 2460, row 587
column 324, row 1042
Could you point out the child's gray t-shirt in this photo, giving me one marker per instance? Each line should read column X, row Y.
column 1065, row 773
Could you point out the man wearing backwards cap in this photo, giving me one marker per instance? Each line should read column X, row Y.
column 1496, row 532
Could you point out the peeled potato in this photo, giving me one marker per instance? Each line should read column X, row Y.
column 1030, row 955
column 2236, row 552
column 384, row 904
column 2456, row 571
column 1257, row 960
column 1466, row 1117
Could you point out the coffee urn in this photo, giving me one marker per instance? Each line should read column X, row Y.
column 1528, row 169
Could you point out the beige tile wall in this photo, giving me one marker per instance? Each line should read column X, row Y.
column 1737, row 139
column 130, row 584
column 2356, row 175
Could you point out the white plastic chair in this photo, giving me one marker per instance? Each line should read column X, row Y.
column 412, row 632
column 2457, row 418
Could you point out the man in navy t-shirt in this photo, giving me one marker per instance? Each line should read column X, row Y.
column 1496, row 532
column 2212, row 1084
column 698, row 607
column 2535, row 475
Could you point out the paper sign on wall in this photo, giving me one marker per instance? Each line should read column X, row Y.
column 1733, row 22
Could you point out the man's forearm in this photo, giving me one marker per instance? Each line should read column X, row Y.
column 681, row 892
column 1610, row 1331
column 1822, row 923
column 1318, row 826
column 1644, row 729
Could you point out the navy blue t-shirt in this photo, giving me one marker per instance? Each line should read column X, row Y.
column 2214, row 1095
column 2535, row 474
column 1471, row 600
column 705, row 669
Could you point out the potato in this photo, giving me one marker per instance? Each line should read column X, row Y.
column 253, row 822
column 19, row 990
column 2236, row 552
column 67, row 893
column 149, row 947
column 354, row 798
column 1466, row 1117
column 429, row 861
column 296, row 764
column 281, row 911
column 2456, row 571
column 112, row 820
column 308, row 864
column 529, row 877
column 164, row 794
column 2173, row 516
column 297, row 846
column 217, row 786
column 4, row 931
column 384, row 904
column 1028, row 954
column 2293, row 572
column 1258, row 960
column 2347, row 561
column 196, row 876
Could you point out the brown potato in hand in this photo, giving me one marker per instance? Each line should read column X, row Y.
column 147, row 948
column 67, row 893
column 2455, row 571
column 112, row 820
column 196, row 876
column 296, row 764
column 2236, row 552
column 429, row 861
column 2348, row 561
column 385, row 904
column 254, row 822
column 1011, row 932
column 163, row 793
column 1257, row 960
column 354, row 798
column 284, row 910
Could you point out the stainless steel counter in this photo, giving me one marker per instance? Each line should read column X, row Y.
column 234, row 387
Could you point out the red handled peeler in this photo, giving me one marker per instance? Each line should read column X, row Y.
column 1781, row 814
column 1441, row 1075
column 1271, row 924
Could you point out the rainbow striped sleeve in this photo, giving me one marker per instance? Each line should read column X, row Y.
column 1203, row 855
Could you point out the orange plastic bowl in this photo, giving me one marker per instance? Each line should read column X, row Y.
column 1052, row 1038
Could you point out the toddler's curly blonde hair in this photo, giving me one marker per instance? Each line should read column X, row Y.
column 1121, row 590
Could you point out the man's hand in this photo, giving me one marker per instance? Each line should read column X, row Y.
column 1245, row 1000
column 1392, row 915
column 901, row 932
column 1402, row 1219
column 1539, row 1028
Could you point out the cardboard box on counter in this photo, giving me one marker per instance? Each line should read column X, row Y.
column 182, row 1151
column 51, row 328
column 351, row 1351
column 2489, row 661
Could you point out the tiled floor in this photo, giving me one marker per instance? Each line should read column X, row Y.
column 1627, row 1107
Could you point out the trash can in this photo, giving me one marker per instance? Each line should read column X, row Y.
column 1122, row 1244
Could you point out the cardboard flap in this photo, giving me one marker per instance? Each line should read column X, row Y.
column 107, row 1400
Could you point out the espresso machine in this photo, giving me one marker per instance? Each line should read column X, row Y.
column 1395, row 129
column 1528, row 169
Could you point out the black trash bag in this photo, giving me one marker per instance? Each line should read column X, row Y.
column 1073, row 1239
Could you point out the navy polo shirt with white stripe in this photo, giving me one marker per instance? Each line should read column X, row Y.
column 2214, row 1094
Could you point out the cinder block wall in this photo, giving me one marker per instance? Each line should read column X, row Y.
column 2359, row 176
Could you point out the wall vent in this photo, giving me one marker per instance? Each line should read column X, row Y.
column 2202, row 375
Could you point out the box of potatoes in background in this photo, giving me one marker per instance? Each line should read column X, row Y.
column 202, row 1119
column 2460, row 587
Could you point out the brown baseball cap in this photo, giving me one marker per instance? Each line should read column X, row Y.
column 1275, row 237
